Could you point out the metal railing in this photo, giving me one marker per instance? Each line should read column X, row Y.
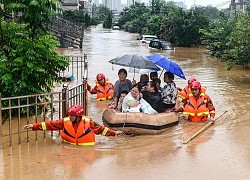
column 22, row 110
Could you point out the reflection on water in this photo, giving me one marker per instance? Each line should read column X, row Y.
column 224, row 146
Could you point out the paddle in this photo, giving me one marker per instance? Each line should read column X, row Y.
column 202, row 129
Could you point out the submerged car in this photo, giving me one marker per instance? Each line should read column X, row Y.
column 147, row 38
column 160, row 44
column 116, row 28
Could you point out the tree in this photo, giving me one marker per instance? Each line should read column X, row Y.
column 216, row 36
column 153, row 25
column 28, row 61
column 183, row 27
column 107, row 23
column 87, row 20
column 103, row 12
column 135, row 17
column 238, row 51
column 211, row 12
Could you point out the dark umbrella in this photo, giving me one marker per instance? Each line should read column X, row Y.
column 134, row 61
column 167, row 64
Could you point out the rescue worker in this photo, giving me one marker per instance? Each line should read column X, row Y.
column 183, row 93
column 103, row 88
column 197, row 105
column 76, row 128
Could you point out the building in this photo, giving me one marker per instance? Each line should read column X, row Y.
column 96, row 2
column 113, row 5
column 239, row 5
column 70, row 4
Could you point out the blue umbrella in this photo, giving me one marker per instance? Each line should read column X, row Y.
column 167, row 64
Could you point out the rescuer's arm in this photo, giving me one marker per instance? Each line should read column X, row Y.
column 210, row 107
column 100, row 129
column 49, row 125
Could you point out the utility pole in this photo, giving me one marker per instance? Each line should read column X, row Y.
column 233, row 8
column 153, row 6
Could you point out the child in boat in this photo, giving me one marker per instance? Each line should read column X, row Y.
column 123, row 94
column 158, row 84
column 144, row 79
column 153, row 75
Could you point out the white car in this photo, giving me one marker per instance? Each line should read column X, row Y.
column 147, row 38
column 116, row 28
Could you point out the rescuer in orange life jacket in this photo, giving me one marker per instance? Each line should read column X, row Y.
column 103, row 88
column 76, row 128
column 183, row 93
column 197, row 105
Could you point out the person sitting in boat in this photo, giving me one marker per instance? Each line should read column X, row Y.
column 77, row 129
column 183, row 93
column 120, row 85
column 197, row 105
column 131, row 102
column 123, row 94
column 169, row 91
column 152, row 96
column 158, row 84
column 153, row 75
column 103, row 88
column 144, row 79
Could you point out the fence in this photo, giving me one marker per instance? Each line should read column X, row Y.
column 23, row 110
column 69, row 34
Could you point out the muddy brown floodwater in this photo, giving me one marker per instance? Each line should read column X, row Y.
column 221, row 152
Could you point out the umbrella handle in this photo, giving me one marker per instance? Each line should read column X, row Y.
column 161, row 72
column 134, row 74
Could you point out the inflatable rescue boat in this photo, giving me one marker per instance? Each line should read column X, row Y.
column 139, row 123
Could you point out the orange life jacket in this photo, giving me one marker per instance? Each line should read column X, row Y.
column 196, row 109
column 186, row 91
column 104, row 92
column 83, row 136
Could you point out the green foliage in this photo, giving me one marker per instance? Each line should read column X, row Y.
column 87, row 20
column 78, row 16
column 211, row 12
column 74, row 16
column 94, row 21
column 107, row 23
column 28, row 61
column 135, row 17
column 238, row 45
column 229, row 39
column 103, row 12
column 35, row 13
column 28, row 66
column 217, row 35
column 153, row 25
column 183, row 27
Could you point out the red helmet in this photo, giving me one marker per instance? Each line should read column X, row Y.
column 196, row 85
column 100, row 77
column 76, row 110
column 192, row 79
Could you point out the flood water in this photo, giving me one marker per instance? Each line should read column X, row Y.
column 221, row 152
